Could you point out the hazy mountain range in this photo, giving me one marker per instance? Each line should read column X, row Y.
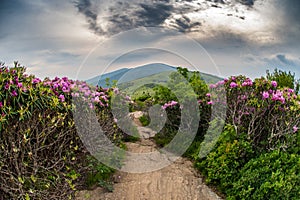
column 155, row 71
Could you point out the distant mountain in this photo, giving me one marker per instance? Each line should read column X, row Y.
column 129, row 74
column 143, row 73
column 101, row 79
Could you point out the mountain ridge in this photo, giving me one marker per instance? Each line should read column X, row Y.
column 125, row 75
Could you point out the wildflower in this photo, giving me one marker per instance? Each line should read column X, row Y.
column 247, row 82
column 233, row 85
column 211, row 86
column 65, row 89
column 244, row 84
column 96, row 99
column 104, row 97
column 243, row 97
column 6, row 87
column 55, row 85
column 20, row 85
column 14, row 93
column 265, row 95
column 127, row 98
column 281, row 99
column 116, row 90
column 91, row 105
column 36, row 80
column 221, row 82
column 62, row 97
column 173, row 103
column 274, row 83
column 76, row 94
column 295, row 129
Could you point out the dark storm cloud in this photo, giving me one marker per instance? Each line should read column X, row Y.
column 184, row 24
column 126, row 16
column 244, row 2
column 86, row 8
column 247, row 2
column 153, row 15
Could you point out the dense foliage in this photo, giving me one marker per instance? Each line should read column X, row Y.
column 177, row 88
column 41, row 155
column 257, row 154
column 273, row 175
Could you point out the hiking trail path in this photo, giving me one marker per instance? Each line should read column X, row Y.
column 177, row 181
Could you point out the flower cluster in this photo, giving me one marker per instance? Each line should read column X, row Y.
column 19, row 91
column 279, row 95
column 94, row 96
column 247, row 82
column 64, row 88
column 169, row 104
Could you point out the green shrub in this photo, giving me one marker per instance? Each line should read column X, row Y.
column 273, row 175
column 284, row 79
column 187, row 86
column 99, row 174
column 145, row 120
column 222, row 165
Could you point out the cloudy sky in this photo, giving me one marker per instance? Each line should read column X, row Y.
column 84, row 38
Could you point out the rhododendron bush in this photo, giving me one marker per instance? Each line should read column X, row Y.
column 262, row 120
column 41, row 155
column 267, row 114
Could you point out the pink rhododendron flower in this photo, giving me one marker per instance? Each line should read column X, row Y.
column 36, row 80
column 221, row 82
column 233, row 85
column 97, row 99
column 265, row 95
column 295, row 129
column 274, row 83
column 6, row 87
column 243, row 97
column 210, row 103
column 1, row 104
column 14, row 93
column 212, row 86
column 169, row 104
column 127, row 98
column 62, row 97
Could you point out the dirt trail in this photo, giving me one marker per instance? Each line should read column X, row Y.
column 178, row 181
